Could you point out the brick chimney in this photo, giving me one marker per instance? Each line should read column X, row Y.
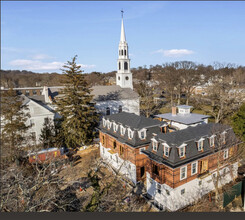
column 174, row 110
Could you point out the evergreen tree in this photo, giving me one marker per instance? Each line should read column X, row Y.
column 76, row 107
column 238, row 122
column 14, row 115
column 47, row 136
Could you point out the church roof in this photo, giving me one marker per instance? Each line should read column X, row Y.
column 123, row 38
column 114, row 92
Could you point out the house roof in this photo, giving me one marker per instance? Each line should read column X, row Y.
column 187, row 119
column 135, row 123
column 189, row 136
column 114, row 92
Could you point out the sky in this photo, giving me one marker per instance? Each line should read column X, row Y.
column 40, row 36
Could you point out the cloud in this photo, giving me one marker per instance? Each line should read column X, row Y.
column 174, row 52
column 35, row 65
column 41, row 57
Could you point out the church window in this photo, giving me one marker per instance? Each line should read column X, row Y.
column 118, row 77
column 119, row 66
column 126, row 78
column 121, row 52
column 125, row 65
column 125, row 53
column 108, row 111
column 120, row 109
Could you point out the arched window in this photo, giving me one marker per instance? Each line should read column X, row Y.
column 120, row 109
column 119, row 65
column 122, row 52
column 126, row 78
column 125, row 53
column 108, row 111
column 125, row 65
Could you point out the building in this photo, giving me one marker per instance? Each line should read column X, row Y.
column 122, row 137
column 177, row 167
column 182, row 165
column 182, row 118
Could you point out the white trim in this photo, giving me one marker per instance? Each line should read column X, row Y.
column 140, row 132
column 196, row 163
column 200, row 144
column 122, row 130
column 130, row 133
column 165, row 146
column 211, row 139
column 115, row 126
column 185, row 167
column 154, row 144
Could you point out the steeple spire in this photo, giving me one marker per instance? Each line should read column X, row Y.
column 123, row 38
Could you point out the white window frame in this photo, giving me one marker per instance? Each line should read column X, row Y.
column 166, row 148
column 130, row 133
column 185, row 168
column 182, row 147
column 200, row 144
column 154, row 144
column 196, row 163
column 109, row 124
column 122, row 130
column 211, row 140
column 115, row 127
column 104, row 122
column 140, row 132
column 223, row 137
column 226, row 153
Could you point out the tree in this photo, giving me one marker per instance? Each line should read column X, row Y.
column 47, row 136
column 76, row 107
column 14, row 114
column 238, row 122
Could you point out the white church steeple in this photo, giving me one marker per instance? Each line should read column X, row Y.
column 123, row 76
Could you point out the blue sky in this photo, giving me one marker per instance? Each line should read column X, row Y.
column 40, row 36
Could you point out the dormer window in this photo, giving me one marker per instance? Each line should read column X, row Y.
column 166, row 150
column 115, row 127
column 154, row 145
column 130, row 133
column 109, row 124
column 200, row 144
column 182, row 150
column 104, row 122
column 223, row 137
column 142, row 134
column 211, row 141
column 122, row 130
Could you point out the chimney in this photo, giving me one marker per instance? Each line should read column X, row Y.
column 174, row 111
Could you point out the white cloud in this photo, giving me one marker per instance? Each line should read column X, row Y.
column 174, row 52
column 41, row 57
column 35, row 65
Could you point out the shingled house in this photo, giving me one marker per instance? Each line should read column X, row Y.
column 181, row 165
column 122, row 138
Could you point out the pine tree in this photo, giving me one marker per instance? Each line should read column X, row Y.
column 238, row 122
column 13, row 121
column 76, row 107
column 47, row 136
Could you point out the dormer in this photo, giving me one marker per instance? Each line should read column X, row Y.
column 166, row 149
column 184, row 109
column 142, row 134
column 115, row 126
column 222, row 137
column 200, row 144
column 122, row 130
column 154, row 144
column 130, row 133
column 104, row 122
column 109, row 124
column 182, row 150
column 211, row 140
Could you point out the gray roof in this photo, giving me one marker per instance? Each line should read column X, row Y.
column 187, row 119
column 37, row 98
column 114, row 92
column 135, row 123
column 189, row 136
column 184, row 106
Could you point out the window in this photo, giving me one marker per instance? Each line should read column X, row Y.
column 109, row 124
column 183, row 173
column 34, row 92
column 114, row 144
column 108, row 111
column 119, row 67
column 126, row 78
column 223, row 137
column 200, row 145
column 182, row 151
column 143, row 148
column 122, row 130
column 121, row 150
column 130, row 133
column 200, row 183
column 103, row 140
column 125, row 65
column 167, row 192
column 225, row 153
column 27, row 93
column 104, row 122
column 155, row 169
column 115, row 126
column 122, row 52
column 166, row 150
column 142, row 134
column 194, row 168
column 32, row 123
column 120, row 109
column 159, row 188
column 46, row 120
column 118, row 77
column 154, row 145
column 182, row 192
column 211, row 141
column 125, row 53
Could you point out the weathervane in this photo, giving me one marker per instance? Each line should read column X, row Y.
column 122, row 12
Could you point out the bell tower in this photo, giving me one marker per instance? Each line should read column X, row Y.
column 123, row 75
